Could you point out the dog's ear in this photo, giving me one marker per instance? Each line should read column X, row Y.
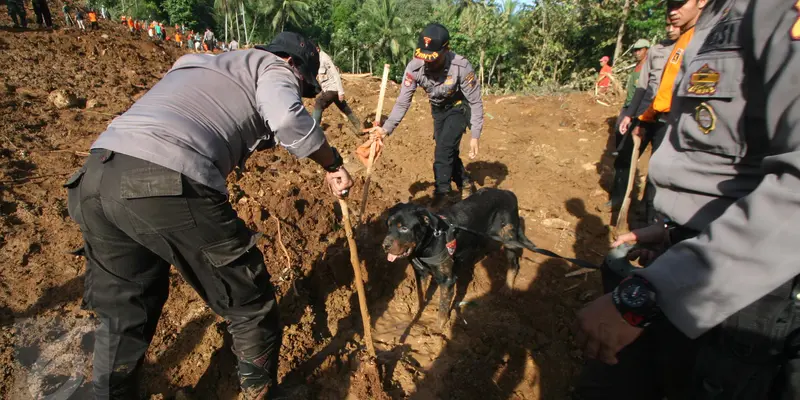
column 426, row 216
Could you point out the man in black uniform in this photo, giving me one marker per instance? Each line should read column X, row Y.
column 455, row 97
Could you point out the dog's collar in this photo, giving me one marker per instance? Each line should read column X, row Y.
column 450, row 245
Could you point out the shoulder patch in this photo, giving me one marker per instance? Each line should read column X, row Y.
column 795, row 33
column 470, row 79
column 409, row 79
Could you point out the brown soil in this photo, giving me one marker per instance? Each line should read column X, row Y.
column 548, row 150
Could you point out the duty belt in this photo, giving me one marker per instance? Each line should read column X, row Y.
column 446, row 105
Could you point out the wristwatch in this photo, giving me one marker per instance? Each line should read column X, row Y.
column 635, row 299
column 337, row 161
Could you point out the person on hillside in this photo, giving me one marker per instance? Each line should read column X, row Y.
column 42, row 11
column 179, row 39
column 234, row 45
column 190, row 41
column 455, row 97
column 130, row 25
column 208, row 39
column 123, row 20
column 198, row 42
column 103, row 12
column 649, row 80
column 16, row 10
column 157, row 30
column 153, row 193
column 605, row 75
column 79, row 18
column 93, row 19
column 151, row 32
column 67, row 17
column 332, row 92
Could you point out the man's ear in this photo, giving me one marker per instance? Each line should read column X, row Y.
column 701, row 4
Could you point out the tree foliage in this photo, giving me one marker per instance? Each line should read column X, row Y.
column 552, row 43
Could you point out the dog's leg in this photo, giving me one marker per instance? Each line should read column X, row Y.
column 446, row 286
column 418, row 277
column 513, row 256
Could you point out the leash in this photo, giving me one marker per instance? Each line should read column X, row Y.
column 533, row 248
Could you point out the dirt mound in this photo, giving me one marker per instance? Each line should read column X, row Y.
column 61, row 88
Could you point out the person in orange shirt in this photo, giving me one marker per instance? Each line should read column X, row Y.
column 130, row 25
column 604, row 78
column 179, row 38
column 93, row 19
column 124, row 20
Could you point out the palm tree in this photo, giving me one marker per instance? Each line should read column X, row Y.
column 387, row 29
column 283, row 11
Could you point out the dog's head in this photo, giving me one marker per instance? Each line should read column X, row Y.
column 408, row 225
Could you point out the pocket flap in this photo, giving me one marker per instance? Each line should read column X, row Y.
column 75, row 179
column 225, row 252
column 150, row 182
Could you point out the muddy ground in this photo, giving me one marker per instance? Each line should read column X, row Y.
column 551, row 151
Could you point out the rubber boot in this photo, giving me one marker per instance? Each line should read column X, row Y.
column 356, row 123
column 438, row 201
column 317, row 115
column 618, row 187
column 255, row 381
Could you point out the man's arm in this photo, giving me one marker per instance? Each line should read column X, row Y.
column 752, row 248
column 403, row 102
column 280, row 105
column 641, row 89
column 337, row 77
column 472, row 92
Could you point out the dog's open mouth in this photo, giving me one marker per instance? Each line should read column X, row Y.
column 391, row 257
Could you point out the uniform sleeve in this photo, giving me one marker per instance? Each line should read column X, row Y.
column 641, row 90
column 752, row 248
column 403, row 102
column 337, row 77
column 472, row 92
column 279, row 103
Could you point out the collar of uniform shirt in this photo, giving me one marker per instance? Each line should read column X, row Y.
column 448, row 60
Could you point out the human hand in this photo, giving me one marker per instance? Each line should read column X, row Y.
column 603, row 332
column 625, row 124
column 473, row 148
column 339, row 182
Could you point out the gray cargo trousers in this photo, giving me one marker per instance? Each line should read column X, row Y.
column 138, row 218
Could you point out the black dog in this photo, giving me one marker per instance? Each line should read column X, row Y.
column 439, row 244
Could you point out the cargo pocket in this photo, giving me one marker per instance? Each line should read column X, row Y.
column 74, row 196
column 242, row 277
column 713, row 106
column 154, row 200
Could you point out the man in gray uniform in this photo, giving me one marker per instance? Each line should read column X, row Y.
column 720, row 306
column 332, row 92
column 450, row 82
column 153, row 194
column 646, row 88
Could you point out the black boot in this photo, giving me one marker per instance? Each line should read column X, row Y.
column 438, row 200
column 356, row 123
column 618, row 187
column 255, row 381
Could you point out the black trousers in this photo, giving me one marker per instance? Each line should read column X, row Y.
column 325, row 99
column 137, row 219
column 449, row 125
column 42, row 11
column 654, row 133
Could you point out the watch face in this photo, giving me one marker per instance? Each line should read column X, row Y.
column 635, row 296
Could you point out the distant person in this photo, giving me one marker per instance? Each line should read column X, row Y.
column 179, row 39
column 208, row 39
column 16, row 10
column 332, row 92
column 158, row 30
column 190, row 41
column 234, row 45
column 42, row 11
column 93, row 19
column 67, row 17
column 151, row 32
column 163, row 31
column 455, row 96
column 103, row 12
column 123, row 20
column 79, row 17
column 604, row 77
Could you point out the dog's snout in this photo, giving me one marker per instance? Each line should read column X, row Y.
column 387, row 244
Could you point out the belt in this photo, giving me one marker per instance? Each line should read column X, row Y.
column 446, row 106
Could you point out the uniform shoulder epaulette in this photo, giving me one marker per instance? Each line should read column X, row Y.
column 415, row 64
column 460, row 61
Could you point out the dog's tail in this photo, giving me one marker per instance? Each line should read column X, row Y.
column 522, row 241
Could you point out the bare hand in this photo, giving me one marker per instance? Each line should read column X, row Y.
column 624, row 125
column 654, row 236
column 339, row 182
column 473, row 148
column 341, row 96
column 376, row 132
column 603, row 332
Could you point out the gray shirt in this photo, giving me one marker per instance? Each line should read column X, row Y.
column 328, row 75
column 455, row 83
column 730, row 165
column 209, row 113
column 650, row 78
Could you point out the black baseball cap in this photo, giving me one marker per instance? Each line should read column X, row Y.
column 305, row 55
column 433, row 39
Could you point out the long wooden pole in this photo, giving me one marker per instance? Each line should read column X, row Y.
column 362, row 296
column 372, row 149
column 622, row 218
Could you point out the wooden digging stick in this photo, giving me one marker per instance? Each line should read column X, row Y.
column 622, row 218
column 362, row 297
column 372, row 149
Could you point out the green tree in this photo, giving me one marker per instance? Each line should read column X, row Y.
column 283, row 11
column 389, row 36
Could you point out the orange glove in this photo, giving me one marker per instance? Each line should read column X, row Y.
column 363, row 151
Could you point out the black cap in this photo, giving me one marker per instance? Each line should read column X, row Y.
column 305, row 55
column 433, row 39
